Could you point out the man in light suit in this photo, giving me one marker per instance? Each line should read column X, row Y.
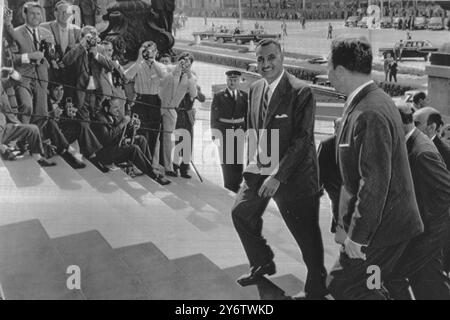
column 280, row 104
column 174, row 87
column 66, row 36
column 421, row 265
column 378, row 213
column 31, row 91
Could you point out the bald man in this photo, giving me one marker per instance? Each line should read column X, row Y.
column 420, row 265
column 429, row 121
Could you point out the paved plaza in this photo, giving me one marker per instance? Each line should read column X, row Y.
column 313, row 40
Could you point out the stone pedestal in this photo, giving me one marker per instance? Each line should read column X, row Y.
column 439, row 88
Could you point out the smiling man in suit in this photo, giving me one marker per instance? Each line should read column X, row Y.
column 281, row 105
column 378, row 213
column 31, row 91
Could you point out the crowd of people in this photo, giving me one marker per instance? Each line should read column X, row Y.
column 62, row 84
column 386, row 168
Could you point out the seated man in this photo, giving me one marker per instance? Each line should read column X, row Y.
column 110, row 130
column 11, row 129
column 71, row 126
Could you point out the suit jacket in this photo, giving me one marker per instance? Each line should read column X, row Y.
column 86, row 65
column 443, row 149
column 108, row 132
column 291, row 111
column 330, row 176
column 224, row 106
column 74, row 35
column 431, row 181
column 25, row 44
column 377, row 206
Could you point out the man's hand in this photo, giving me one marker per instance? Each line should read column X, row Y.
column 269, row 187
column 353, row 249
column 37, row 55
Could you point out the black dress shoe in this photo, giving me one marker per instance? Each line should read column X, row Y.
column 171, row 174
column 99, row 165
column 185, row 175
column 72, row 161
column 256, row 274
column 46, row 163
column 163, row 181
column 8, row 155
column 303, row 296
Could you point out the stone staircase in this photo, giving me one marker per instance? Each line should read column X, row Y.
column 131, row 238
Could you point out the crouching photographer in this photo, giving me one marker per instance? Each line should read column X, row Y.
column 112, row 134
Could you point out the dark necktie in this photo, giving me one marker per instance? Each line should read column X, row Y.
column 35, row 39
column 264, row 106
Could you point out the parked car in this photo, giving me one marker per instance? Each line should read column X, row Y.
column 420, row 23
column 396, row 22
column 209, row 33
column 386, row 22
column 363, row 22
column 255, row 35
column 411, row 49
column 436, row 23
column 352, row 21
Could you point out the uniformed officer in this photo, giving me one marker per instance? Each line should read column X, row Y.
column 229, row 113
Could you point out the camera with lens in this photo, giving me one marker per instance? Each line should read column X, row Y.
column 148, row 54
column 71, row 111
column 135, row 122
column 48, row 49
column 92, row 42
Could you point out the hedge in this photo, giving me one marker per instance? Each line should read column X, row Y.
column 393, row 89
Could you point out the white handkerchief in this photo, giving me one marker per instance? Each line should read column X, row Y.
column 281, row 116
column 344, row 145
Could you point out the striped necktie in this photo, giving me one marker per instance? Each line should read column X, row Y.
column 265, row 105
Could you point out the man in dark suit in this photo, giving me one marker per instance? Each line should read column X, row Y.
column 378, row 213
column 280, row 121
column 88, row 63
column 228, row 113
column 109, row 130
column 429, row 121
column 421, row 265
column 329, row 174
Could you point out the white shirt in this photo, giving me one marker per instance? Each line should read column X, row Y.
column 273, row 86
column 24, row 57
column 409, row 134
column 355, row 93
column 64, row 37
column 253, row 167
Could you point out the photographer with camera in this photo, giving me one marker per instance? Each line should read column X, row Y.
column 71, row 127
column 174, row 87
column 87, row 63
column 31, row 63
column 111, row 132
column 147, row 74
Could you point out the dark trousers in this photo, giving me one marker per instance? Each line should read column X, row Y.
column 50, row 130
column 421, row 267
column 349, row 276
column 24, row 132
column 81, row 131
column 301, row 217
column 392, row 76
column 446, row 257
column 185, row 156
column 135, row 153
column 150, row 117
column 232, row 176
